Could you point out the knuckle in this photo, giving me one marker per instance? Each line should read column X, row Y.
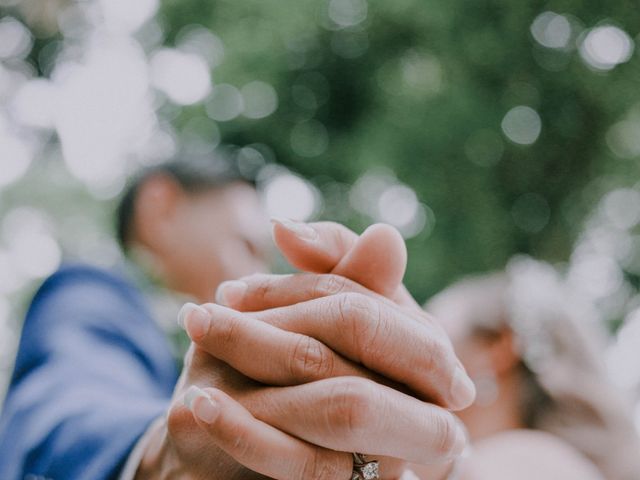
column 310, row 361
column 363, row 320
column 445, row 431
column 350, row 406
column 224, row 332
column 262, row 286
column 354, row 303
column 436, row 353
column 353, row 308
column 328, row 284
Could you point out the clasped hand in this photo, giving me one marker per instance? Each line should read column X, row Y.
column 288, row 374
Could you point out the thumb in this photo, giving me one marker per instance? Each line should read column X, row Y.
column 377, row 259
column 313, row 247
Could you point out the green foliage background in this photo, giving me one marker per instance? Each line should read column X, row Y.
column 474, row 61
column 420, row 88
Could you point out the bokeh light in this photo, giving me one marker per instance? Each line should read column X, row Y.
column 382, row 197
column 260, row 100
column 16, row 157
column 522, row 125
column 622, row 207
column 225, row 104
column 200, row 136
column 123, row 15
column 33, row 250
column 289, row 196
column 183, row 77
column 201, row 41
column 33, row 104
column 103, row 110
column 347, row 13
column 551, row 30
column 606, row 46
column 623, row 138
column 15, row 39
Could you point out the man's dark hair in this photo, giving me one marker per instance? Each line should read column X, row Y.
column 193, row 176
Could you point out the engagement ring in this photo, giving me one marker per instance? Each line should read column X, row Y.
column 363, row 469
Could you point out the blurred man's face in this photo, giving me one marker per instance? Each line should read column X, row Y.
column 215, row 235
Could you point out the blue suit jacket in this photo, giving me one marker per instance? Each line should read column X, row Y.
column 92, row 371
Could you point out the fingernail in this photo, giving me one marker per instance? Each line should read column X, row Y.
column 201, row 404
column 194, row 319
column 191, row 394
column 301, row 230
column 231, row 292
column 463, row 391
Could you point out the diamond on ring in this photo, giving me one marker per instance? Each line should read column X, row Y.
column 370, row 471
column 363, row 470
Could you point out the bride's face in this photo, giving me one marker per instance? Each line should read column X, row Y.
column 451, row 315
column 453, row 312
column 487, row 354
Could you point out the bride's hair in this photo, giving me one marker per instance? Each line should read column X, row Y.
column 566, row 390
